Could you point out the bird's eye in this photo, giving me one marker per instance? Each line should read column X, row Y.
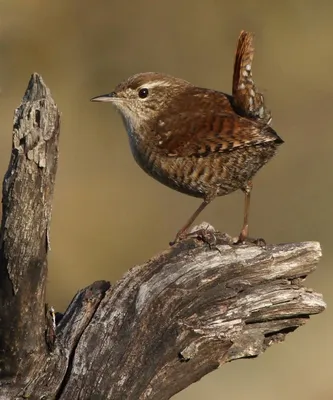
column 143, row 93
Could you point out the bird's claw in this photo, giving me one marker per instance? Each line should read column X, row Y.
column 247, row 240
column 205, row 234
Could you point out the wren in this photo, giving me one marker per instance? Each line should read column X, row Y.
column 191, row 139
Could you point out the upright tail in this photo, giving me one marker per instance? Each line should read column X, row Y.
column 248, row 101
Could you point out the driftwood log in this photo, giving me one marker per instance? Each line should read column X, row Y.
column 163, row 326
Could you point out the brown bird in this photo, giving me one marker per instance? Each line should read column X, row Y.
column 192, row 139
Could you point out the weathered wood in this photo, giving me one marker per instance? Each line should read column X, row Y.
column 190, row 303
column 27, row 201
column 163, row 326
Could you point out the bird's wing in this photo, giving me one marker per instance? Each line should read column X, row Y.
column 200, row 134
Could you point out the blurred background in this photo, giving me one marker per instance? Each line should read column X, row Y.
column 108, row 215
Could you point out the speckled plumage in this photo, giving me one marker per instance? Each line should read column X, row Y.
column 196, row 143
column 213, row 164
column 192, row 139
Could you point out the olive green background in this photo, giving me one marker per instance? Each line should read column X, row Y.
column 108, row 215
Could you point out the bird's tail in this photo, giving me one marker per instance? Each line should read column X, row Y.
column 248, row 100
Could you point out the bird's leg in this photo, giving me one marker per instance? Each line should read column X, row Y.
column 183, row 231
column 244, row 235
column 245, row 230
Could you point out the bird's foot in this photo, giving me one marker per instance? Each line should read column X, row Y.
column 204, row 232
column 179, row 237
column 247, row 240
column 207, row 236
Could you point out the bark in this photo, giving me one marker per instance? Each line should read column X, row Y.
column 27, row 200
column 163, row 326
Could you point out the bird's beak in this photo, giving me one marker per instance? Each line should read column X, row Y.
column 106, row 97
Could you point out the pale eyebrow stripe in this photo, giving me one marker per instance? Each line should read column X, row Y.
column 150, row 85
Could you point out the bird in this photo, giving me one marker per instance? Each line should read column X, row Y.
column 192, row 139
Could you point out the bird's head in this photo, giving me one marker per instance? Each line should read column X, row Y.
column 142, row 97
